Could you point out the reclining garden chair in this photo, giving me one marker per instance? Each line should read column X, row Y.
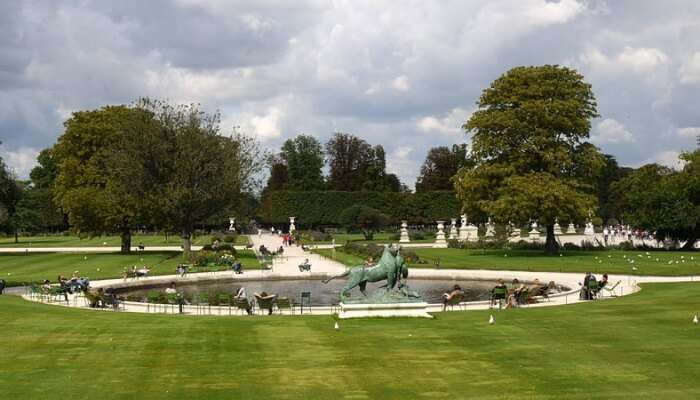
column 610, row 290
column 456, row 300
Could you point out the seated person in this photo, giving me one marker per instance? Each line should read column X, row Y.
column 589, row 289
column 543, row 290
column 266, row 296
column 305, row 266
column 171, row 289
column 141, row 246
column 447, row 296
column 46, row 286
column 237, row 267
column 516, row 297
column 242, row 295
column 603, row 282
column 181, row 270
column 499, row 293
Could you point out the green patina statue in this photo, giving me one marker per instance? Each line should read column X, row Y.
column 391, row 267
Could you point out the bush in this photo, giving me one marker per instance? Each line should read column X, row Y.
column 230, row 238
column 314, row 236
column 375, row 251
column 325, row 207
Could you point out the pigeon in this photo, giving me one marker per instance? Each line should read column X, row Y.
column 337, row 326
column 491, row 320
column 695, row 319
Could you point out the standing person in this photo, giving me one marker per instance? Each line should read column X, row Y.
column 242, row 295
column 272, row 230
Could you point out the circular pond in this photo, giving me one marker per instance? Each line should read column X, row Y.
column 321, row 294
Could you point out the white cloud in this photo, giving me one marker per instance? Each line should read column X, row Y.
column 555, row 13
column 610, row 130
column 450, row 124
column 399, row 162
column 400, row 83
column 20, row 161
column 639, row 60
column 690, row 70
column 667, row 158
column 690, row 132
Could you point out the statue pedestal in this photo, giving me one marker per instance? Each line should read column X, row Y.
column 416, row 310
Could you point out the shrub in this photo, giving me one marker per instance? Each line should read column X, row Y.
column 230, row 238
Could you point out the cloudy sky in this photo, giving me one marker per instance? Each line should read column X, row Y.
column 404, row 74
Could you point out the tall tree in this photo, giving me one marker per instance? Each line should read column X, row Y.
column 303, row 156
column 663, row 201
column 279, row 174
column 440, row 166
column 611, row 172
column 531, row 157
column 355, row 165
column 84, row 187
column 10, row 194
column 186, row 171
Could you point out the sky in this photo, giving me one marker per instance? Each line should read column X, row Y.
column 404, row 74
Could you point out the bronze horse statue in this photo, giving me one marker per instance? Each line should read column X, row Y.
column 391, row 267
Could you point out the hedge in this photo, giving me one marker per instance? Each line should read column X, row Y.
column 324, row 207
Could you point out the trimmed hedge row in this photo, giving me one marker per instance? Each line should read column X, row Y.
column 325, row 207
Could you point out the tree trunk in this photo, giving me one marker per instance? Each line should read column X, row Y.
column 186, row 243
column 16, row 236
column 126, row 241
column 551, row 246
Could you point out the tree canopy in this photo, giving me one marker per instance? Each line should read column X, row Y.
column 355, row 165
column 440, row 165
column 662, row 200
column 531, row 158
column 303, row 156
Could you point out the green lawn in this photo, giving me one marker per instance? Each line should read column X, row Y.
column 75, row 241
column 642, row 346
column 617, row 262
column 17, row 269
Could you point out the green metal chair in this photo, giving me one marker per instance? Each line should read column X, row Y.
column 592, row 289
column 284, row 303
column 265, row 304
column 153, row 301
column 201, row 300
column 499, row 294
column 224, row 301
column 305, row 301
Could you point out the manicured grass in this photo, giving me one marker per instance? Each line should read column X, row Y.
column 99, row 241
column 664, row 263
column 642, row 346
column 17, row 269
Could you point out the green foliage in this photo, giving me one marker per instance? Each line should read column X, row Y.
column 662, row 200
column 531, row 160
column 325, row 207
column 440, row 165
column 367, row 219
column 303, row 156
column 356, row 165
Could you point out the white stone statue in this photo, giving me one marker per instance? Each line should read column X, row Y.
column 589, row 231
column 514, row 230
column 292, row 228
column 440, row 241
column 453, row 228
column 463, row 234
column 232, row 224
column 534, row 233
column 557, row 227
column 404, row 233
column 571, row 230
column 490, row 229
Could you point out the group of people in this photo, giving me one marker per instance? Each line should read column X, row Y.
column 76, row 284
column 591, row 286
column 287, row 239
column 518, row 294
column 135, row 272
column 242, row 295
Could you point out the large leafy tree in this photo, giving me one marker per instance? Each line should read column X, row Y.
column 303, row 156
column 186, row 172
column 440, row 165
column 279, row 174
column 36, row 211
column 663, row 200
column 355, row 165
column 85, row 185
column 10, row 195
column 531, row 158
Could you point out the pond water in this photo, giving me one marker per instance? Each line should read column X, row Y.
column 321, row 294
